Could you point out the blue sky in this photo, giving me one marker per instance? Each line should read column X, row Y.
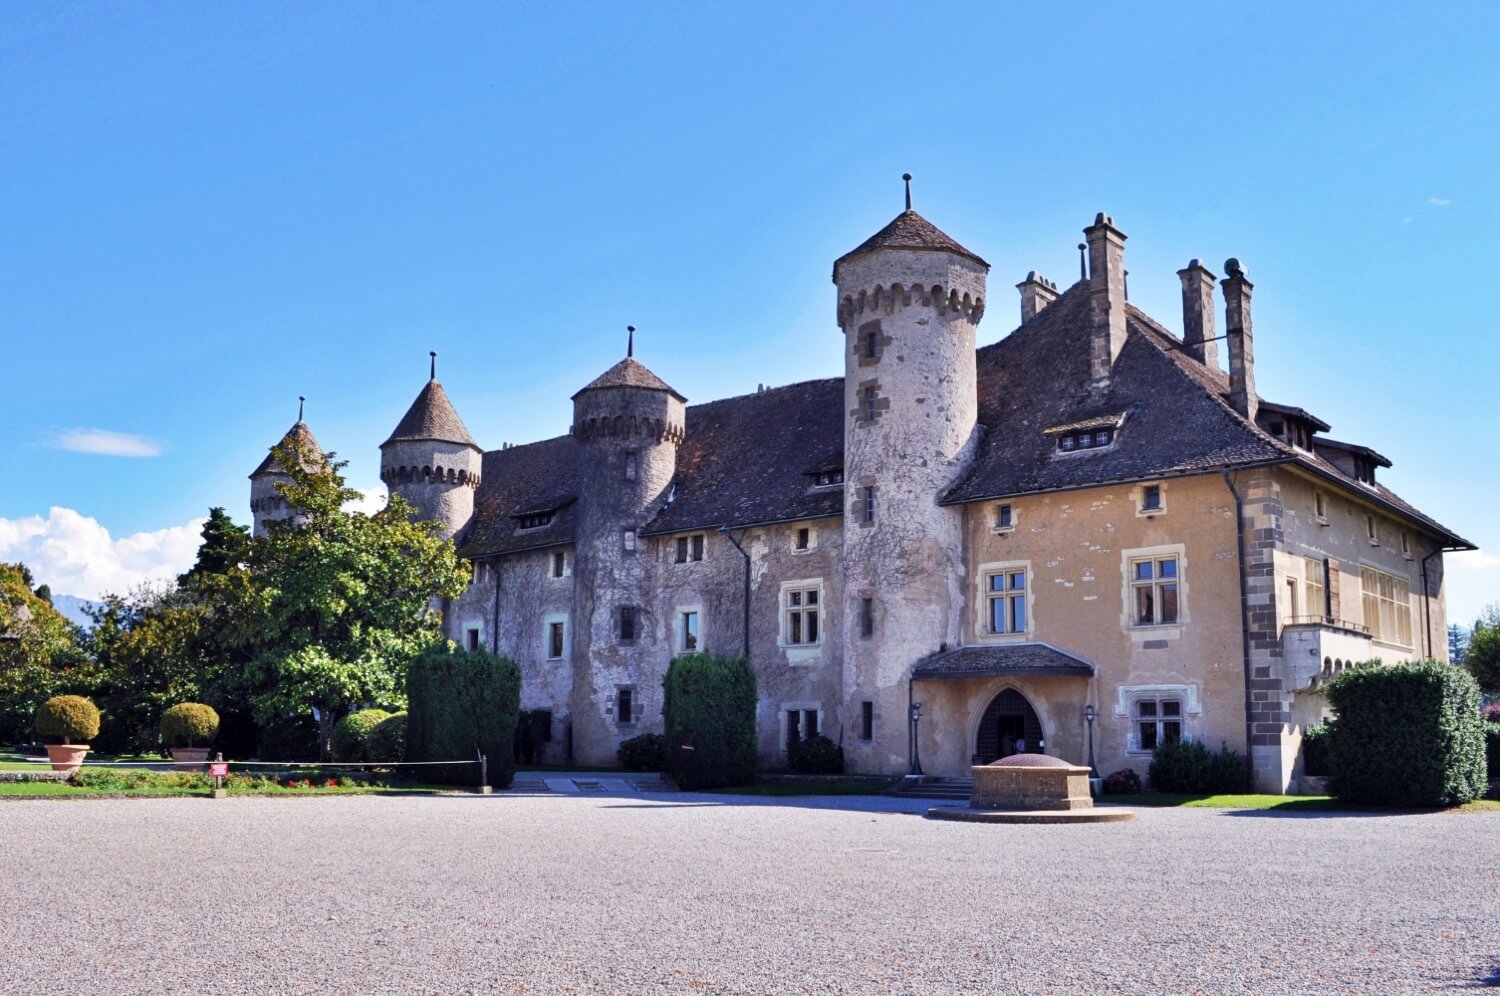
column 211, row 209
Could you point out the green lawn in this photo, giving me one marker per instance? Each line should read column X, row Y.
column 54, row 789
column 1278, row 803
column 840, row 786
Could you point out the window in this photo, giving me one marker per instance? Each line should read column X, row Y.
column 1151, row 498
column 1006, row 593
column 628, row 620
column 802, row 539
column 1387, row 603
column 535, row 520
column 869, row 404
column 1313, row 586
column 479, row 573
column 872, row 343
column 1406, row 544
column 867, row 511
column 867, row 720
column 629, row 540
column 1153, row 585
column 1320, row 507
column 1005, row 517
column 555, row 634
column 625, row 705
column 1085, row 440
column 801, row 724
column 1157, row 722
column 689, row 631
column 471, row 639
column 867, row 617
column 559, row 563
column 1370, row 531
column 828, row 478
column 801, row 607
column 632, row 464
column 690, row 548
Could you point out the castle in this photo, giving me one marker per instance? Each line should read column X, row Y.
column 1083, row 538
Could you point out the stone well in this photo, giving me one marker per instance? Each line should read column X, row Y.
column 1030, row 788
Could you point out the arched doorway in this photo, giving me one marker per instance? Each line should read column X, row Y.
column 1008, row 718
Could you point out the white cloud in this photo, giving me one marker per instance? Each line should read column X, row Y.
column 1472, row 581
column 1471, row 560
column 371, row 501
column 75, row 554
column 106, row 443
column 1438, row 202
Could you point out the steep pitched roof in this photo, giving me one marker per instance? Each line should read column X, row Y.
column 629, row 372
column 301, row 438
column 432, row 417
column 909, row 230
column 523, row 480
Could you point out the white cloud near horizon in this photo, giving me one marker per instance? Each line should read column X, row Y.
column 76, row 555
column 1472, row 580
column 106, row 442
column 1439, row 202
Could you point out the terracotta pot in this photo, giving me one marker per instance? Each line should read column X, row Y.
column 67, row 757
column 189, row 758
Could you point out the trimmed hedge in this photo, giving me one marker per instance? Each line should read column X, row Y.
column 387, row 741
column 1408, row 735
column 1492, row 749
column 188, row 724
column 459, row 703
column 1187, row 767
column 642, row 753
column 1315, row 750
column 351, row 735
column 817, row 755
column 68, row 719
column 709, row 711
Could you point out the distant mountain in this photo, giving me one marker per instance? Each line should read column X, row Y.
column 74, row 608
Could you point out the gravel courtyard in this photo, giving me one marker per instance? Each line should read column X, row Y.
column 549, row 894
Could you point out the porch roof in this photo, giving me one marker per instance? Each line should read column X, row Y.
column 1002, row 659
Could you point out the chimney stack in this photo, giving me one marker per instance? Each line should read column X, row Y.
column 1198, row 336
column 1036, row 293
column 1106, row 296
column 1237, row 290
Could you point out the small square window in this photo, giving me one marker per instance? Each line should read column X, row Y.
column 1151, row 498
column 1004, row 517
column 559, row 563
column 804, row 538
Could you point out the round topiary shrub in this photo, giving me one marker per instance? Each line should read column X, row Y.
column 387, row 741
column 189, row 724
column 642, row 753
column 816, row 755
column 1122, row 782
column 68, row 719
column 351, row 735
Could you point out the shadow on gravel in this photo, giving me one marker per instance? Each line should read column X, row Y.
column 1485, row 980
column 1320, row 810
column 835, row 803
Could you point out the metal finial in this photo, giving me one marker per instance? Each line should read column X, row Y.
column 433, row 374
column 907, row 178
column 1083, row 261
column 301, row 404
column 630, row 341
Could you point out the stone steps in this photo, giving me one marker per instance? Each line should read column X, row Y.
column 934, row 788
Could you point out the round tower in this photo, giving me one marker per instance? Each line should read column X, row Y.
column 909, row 303
column 431, row 460
column 628, row 424
column 266, row 502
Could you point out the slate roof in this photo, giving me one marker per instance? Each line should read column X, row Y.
column 432, row 417
column 300, row 435
column 909, row 230
column 517, row 481
column 629, row 372
column 1001, row 659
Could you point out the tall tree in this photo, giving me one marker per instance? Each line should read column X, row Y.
column 1458, row 642
column 39, row 654
column 1482, row 655
column 225, row 546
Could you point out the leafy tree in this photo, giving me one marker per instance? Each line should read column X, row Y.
column 1458, row 642
column 39, row 654
column 339, row 603
column 1482, row 655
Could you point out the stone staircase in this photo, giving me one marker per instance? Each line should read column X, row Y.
column 933, row 787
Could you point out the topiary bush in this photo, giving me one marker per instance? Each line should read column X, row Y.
column 459, row 703
column 709, row 711
column 351, row 734
column 387, row 741
column 816, row 755
column 1492, row 750
column 642, row 753
column 1186, row 767
column 67, row 719
column 188, row 724
column 1122, row 782
column 1315, row 750
column 1408, row 735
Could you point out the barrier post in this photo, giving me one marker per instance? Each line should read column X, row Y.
column 219, row 769
column 484, row 773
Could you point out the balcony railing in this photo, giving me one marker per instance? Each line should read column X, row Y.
column 1359, row 629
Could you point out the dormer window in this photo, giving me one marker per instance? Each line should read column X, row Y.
column 1087, row 439
column 535, row 520
column 828, row 478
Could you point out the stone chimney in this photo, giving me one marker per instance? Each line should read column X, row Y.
column 1036, row 293
column 1106, row 296
column 1198, row 337
column 1237, row 290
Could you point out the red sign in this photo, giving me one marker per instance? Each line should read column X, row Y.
column 219, row 769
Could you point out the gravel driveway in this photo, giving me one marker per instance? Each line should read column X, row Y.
column 550, row 894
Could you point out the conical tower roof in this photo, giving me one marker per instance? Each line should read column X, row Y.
column 909, row 230
column 432, row 418
column 629, row 373
column 298, row 436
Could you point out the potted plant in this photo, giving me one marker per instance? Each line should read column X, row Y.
column 67, row 723
column 186, row 731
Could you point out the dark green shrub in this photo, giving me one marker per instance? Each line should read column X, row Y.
column 817, row 755
column 709, row 709
column 533, row 729
column 1408, row 735
column 351, row 735
column 1187, row 767
column 290, row 738
column 1315, row 750
column 67, row 719
column 387, row 741
column 642, row 753
column 1122, row 782
column 460, row 704
column 189, row 724
column 1492, row 750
